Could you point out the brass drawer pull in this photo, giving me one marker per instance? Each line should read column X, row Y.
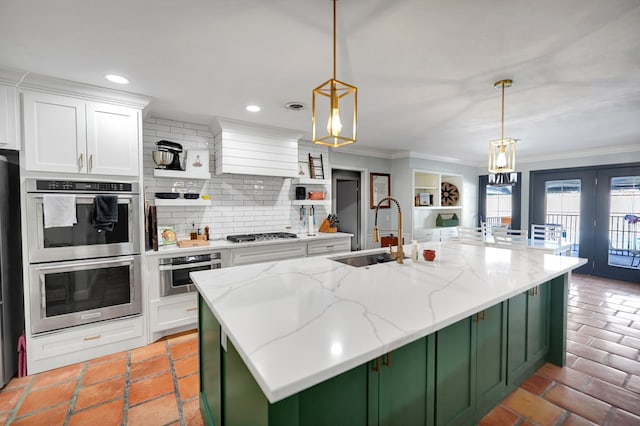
column 480, row 316
column 387, row 362
column 376, row 365
column 192, row 309
column 86, row 339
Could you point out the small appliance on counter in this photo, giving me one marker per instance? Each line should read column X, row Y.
column 162, row 158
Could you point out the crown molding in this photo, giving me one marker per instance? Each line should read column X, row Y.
column 12, row 77
column 220, row 124
column 620, row 149
column 440, row 158
column 58, row 86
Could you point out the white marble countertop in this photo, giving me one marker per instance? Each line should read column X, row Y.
column 296, row 323
column 221, row 243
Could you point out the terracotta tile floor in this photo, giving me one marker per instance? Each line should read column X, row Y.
column 153, row 385
column 158, row 384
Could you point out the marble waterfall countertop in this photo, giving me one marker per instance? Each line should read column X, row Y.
column 296, row 323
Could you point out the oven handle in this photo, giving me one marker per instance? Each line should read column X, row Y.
column 212, row 262
column 119, row 260
column 122, row 199
column 43, row 297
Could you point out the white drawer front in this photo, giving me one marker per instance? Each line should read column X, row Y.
column 166, row 315
column 328, row 246
column 79, row 340
column 245, row 256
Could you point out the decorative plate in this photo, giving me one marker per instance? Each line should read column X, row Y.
column 449, row 194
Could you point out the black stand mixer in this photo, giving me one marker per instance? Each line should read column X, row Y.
column 175, row 149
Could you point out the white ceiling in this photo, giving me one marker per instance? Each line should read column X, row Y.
column 424, row 69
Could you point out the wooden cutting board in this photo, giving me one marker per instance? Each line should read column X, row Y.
column 192, row 243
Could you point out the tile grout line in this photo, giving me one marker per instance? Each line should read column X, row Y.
column 76, row 391
column 176, row 387
column 25, row 392
column 127, row 384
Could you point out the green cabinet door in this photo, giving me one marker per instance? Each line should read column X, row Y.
column 341, row 400
column 402, row 386
column 538, row 312
column 471, row 367
column 210, row 365
column 528, row 332
column 516, row 338
column 491, row 359
column 455, row 374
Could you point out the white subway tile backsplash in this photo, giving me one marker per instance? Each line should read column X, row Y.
column 240, row 203
column 199, row 127
column 169, row 122
column 154, row 127
column 169, row 135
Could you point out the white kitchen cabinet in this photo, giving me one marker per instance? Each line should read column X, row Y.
column 70, row 135
column 83, row 343
column 54, row 133
column 112, row 139
column 9, row 137
column 174, row 311
column 334, row 245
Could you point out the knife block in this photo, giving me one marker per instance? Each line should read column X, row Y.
column 326, row 227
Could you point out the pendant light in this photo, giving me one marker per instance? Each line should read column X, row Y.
column 502, row 152
column 333, row 102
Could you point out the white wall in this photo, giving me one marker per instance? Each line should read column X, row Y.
column 240, row 203
column 367, row 164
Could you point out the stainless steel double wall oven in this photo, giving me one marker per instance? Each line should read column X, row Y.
column 82, row 274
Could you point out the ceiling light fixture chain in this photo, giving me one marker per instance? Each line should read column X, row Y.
column 502, row 152
column 341, row 97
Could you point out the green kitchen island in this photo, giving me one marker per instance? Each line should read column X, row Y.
column 318, row 342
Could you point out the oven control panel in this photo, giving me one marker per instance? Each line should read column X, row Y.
column 76, row 186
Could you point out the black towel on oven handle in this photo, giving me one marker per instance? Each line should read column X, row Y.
column 104, row 214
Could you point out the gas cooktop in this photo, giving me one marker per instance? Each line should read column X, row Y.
column 261, row 237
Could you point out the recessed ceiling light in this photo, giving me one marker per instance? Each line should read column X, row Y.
column 253, row 108
column 116, row 79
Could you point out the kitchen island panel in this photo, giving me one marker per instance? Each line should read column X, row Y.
column 452, row 377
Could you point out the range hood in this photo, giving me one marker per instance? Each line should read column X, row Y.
column 254, row 149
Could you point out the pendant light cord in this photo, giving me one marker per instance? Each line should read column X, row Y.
column 502, row 130
column 334, row 39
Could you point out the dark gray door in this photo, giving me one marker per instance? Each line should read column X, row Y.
column 348, row 204
column 617, row 231
column 600, row 210
column 567, row 198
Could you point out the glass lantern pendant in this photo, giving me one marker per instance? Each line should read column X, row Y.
column 502, row 152
column 332, row 102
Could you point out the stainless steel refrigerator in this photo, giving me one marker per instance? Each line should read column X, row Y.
column 11, row 288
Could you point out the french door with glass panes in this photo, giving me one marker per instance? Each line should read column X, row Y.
column 599, row 209
column 617, row 214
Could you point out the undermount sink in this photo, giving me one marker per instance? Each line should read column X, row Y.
column 365, row 259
